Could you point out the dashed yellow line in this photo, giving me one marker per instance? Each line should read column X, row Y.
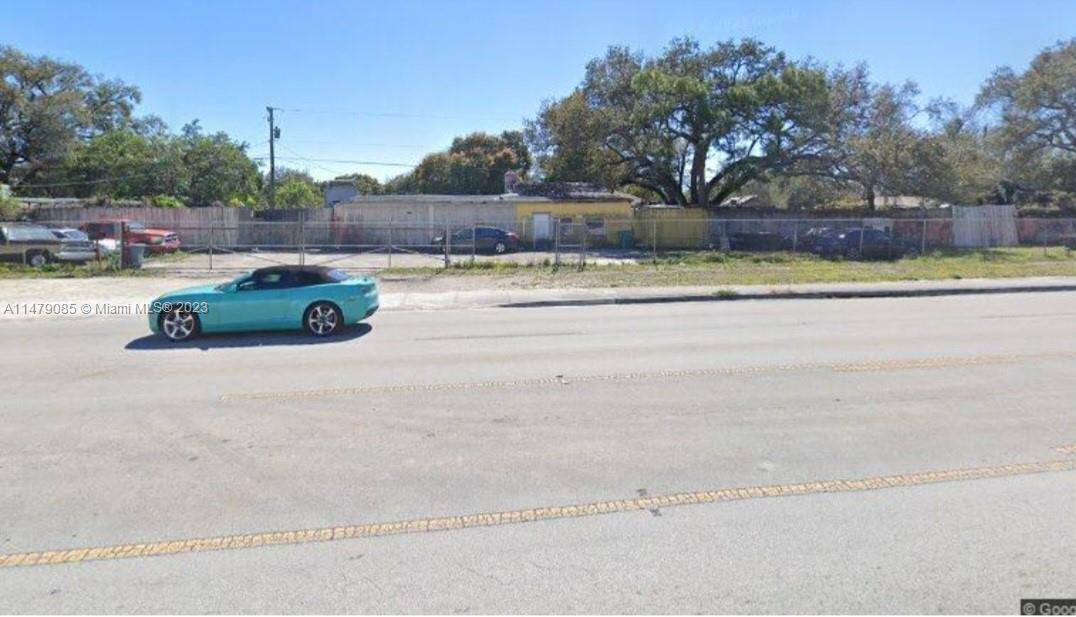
column 512, row 517
column 850, row 367
column 899, row 365
column 1068, row 448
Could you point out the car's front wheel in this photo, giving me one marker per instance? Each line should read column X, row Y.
column 179, row 325
column 37, row 259
column 500, row 248
column 322, row 319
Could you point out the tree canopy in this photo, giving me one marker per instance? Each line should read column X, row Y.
column 694, row 125
column 474, row 164
column 691, row 125
column 48, row 106
column 1034, row 116
column 365, row 183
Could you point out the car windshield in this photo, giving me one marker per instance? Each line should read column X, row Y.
column 136, row 226
column 235, row 281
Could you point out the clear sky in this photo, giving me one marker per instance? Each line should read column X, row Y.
column 390, row 81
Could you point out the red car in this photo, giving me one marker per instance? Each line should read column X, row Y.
column 156, row 240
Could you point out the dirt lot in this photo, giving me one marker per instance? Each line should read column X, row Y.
column 377, row 261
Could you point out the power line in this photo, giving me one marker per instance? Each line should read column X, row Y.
column 350, row 162
column 344, row 161
column 19, row 187
column 358, row 144
column 376, row 114
column 321, row 167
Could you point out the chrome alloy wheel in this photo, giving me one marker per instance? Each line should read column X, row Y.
column 322, row 320
column 179, row 325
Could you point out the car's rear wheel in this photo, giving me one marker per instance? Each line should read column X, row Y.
column 853, row 254
column 179, row 325
column 322, row 319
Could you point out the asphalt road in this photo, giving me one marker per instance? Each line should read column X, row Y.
column 110, row 438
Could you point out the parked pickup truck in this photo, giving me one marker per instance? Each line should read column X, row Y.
column 156, row 240
column 33, row 245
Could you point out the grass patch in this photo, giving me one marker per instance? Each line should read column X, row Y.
column 69, row 271
column 701, row 268
column 715, row 268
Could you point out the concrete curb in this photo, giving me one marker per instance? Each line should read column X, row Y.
column 731, row 295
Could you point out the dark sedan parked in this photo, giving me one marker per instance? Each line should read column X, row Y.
column 484, row 239
column 867, row 243
column 758, row 241
column 816, row 238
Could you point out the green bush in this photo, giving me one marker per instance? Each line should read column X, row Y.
column 167, row 201
column 10, row 208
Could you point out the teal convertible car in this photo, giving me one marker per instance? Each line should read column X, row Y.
column 317, row 299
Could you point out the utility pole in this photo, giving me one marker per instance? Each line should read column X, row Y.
column 272, row 159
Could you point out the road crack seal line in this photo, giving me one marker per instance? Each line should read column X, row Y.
column 513, row 517
column 853, row 367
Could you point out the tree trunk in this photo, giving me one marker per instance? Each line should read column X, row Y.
column 869, row 196
column 699, row 193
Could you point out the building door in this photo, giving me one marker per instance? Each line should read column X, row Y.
column 543, row 228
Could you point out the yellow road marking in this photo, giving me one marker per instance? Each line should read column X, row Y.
column 512, row 517
column 898, row 365
column 851, row 367
column 1069, row 448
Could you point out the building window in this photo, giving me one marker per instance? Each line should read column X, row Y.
column 596, row 227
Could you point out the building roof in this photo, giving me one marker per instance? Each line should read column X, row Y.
column 571, row 191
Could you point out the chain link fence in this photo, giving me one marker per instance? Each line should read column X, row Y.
column 578, row 241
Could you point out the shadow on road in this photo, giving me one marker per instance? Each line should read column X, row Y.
column 206, row 342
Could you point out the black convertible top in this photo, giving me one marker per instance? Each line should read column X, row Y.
column 318, row 269
column 322, row 272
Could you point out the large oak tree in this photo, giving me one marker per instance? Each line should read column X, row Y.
column 692, row 125
column 47, row 106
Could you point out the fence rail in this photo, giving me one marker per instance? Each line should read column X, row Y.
column 568, row 241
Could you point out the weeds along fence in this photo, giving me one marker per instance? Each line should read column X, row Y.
column 246, row 244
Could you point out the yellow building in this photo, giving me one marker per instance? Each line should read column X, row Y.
column 538, row 219
column 535, row 218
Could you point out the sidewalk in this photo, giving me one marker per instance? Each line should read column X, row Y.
column 524, row 298
column 396, row 294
